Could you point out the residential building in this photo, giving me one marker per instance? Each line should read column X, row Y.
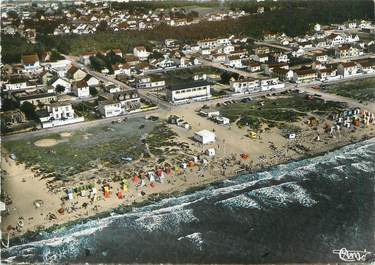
column 81, row 89
column 346, row 51
column 58, row 114
column 245, row 85
column 118, row 103
column 30, row 62
column 194, row 91
column 327, row 74
column 234, row 61
column 347, row 69
column 36, row 97
column 270, row 83
column 283, row 74
column 75, row 73
column 304, row 75
column 141, row 52
column 149, row 82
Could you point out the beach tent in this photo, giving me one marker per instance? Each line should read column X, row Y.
column 135, row 179
column 151, row 176
column 70, row 195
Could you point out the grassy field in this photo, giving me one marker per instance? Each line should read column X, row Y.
column 83, row 149
column 277, row 110
column 363, row 90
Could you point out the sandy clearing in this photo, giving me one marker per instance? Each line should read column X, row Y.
column 65, row 134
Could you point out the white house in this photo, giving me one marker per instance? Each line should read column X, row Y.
column 270, row 83
column 58, row 114
column 327, row 74
column 148, row 82
column 61, row 82
column 120, row 69
column 81, row 89
column 204, row 137
column 194, row 91
column 261, row 58
column 141, row 52
column 347, row 69
column 85, row 57
column 335, row 40
column 15, row 85
column 281, row 58
column 114, row 104
column 234, row 61
column 110, row 108
column 91, row 81
column 245, row 85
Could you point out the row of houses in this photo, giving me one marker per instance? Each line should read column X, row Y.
column 86, row 19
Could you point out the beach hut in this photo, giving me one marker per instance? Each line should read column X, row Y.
column 70, row 194
column 211, row 152
column 205, row 137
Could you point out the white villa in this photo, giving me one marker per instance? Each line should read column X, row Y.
column 58, row 114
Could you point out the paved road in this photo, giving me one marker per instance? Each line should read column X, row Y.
column 102, row 77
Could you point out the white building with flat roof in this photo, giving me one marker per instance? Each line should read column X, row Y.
column 205, row 137
column 194, row 91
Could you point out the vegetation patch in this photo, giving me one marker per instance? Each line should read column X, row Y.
column 82, row 150
column 288, row 108
column 358, row 89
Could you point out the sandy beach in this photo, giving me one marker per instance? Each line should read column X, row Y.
column 37, row 204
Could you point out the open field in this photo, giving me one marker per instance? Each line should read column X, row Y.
column 65, row 155
column 363, row 90
column 277, row 111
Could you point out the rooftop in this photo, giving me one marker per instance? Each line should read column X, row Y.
column 189, row 85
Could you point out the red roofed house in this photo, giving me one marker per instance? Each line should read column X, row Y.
column 31, row 62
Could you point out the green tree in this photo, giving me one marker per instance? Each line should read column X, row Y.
column 55, row 56
column 29, row 110
column 59, row 89
column 93, row 91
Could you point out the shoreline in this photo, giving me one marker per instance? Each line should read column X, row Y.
column 28, row 236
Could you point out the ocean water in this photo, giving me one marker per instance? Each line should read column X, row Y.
column 295, row 212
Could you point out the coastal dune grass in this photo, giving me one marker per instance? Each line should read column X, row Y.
column 290, row 108
column 358, row 89
column 84, row 149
